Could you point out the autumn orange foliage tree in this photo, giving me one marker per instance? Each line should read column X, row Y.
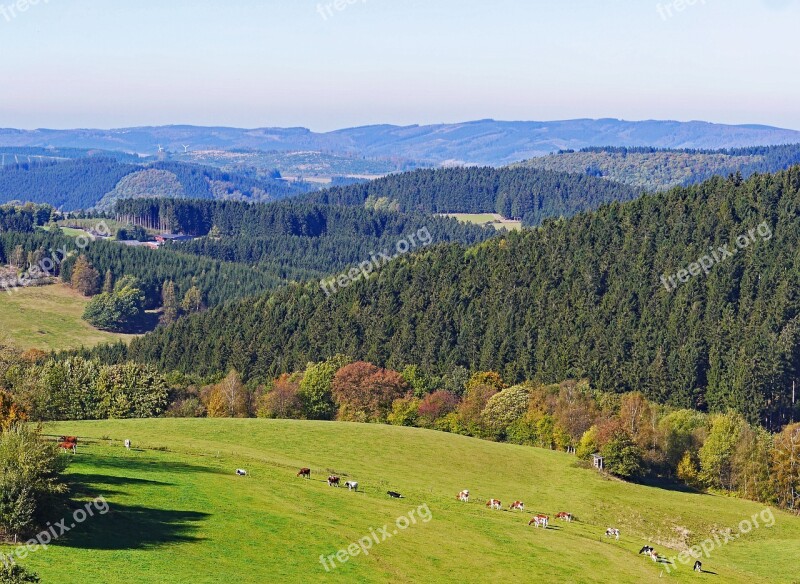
column 364, row 392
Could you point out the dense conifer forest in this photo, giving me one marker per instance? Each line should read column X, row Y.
column 586, row 297
column 527, row 194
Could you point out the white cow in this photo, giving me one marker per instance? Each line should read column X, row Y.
column 463, row 496
column 351, row 485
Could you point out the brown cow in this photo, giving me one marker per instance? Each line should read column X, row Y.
column 305, row 473
column 564, row 516
column 333, row 481
column 67, row 446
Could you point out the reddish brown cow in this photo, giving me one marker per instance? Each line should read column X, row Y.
column 564, row 516
column 67, row 446
column 305, row 473
column 333, row 481
column 68, row 439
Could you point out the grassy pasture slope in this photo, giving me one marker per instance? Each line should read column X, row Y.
column 181, row 515
column 48, row 318
column 484, row 219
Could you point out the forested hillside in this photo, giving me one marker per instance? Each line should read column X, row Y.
column 217, row 281
column 100, row 181
column 577, row 298
column 530, row 195
column 654, row 169
column 254, row 248
column 293, row 240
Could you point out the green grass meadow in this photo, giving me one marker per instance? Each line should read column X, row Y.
column 178, row 513
column 484, row 219
column 48, row 318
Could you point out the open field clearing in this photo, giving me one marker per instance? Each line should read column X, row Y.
column 484, row 219
column 48, row 318
column 179, row 513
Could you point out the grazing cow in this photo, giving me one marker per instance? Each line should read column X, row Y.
column 128, row 444
column 698, row 566
column 394, row 495
column 540, row 521
column 305, row 473
column 351, row 485
column 563, row 516
column 463, row 496
column 612, row 532
column 645, row 550
column 333, row 481
column 67, row 446
column 494, row 504
column 241, row 472
column 517, row 506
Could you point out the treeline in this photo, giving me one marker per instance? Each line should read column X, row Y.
column 24, row 218
column 527, row 194
column 582, row 298
column 82, row 183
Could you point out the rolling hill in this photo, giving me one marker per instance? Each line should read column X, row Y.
column 479, row 142
column 177, row 509
column 654, row 169
column 84, row 183
column 524, row 194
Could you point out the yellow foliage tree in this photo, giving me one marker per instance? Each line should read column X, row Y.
column 10, row 413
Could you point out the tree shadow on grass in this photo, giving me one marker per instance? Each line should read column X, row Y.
column 136, row 464
column 130, row 527
column 125, row 527
column 89, row 485
column 668, row 485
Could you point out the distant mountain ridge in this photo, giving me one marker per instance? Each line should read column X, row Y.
column 479, row 142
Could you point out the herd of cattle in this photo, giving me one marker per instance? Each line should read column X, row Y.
column 495, row 504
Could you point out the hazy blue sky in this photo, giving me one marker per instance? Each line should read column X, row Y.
column 113, row 63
